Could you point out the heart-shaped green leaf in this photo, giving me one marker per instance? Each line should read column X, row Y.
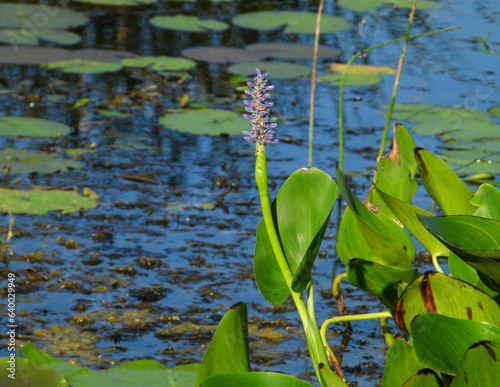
column 228, row 350
column 433, row 292
column 475, row 240
column 480, row 357
column 443, row 185
column 401, row 363
column 441, row 342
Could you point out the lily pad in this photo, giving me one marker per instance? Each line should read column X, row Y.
column 27, row 55
column 292, row 22
column 32, row 38
column 117, row 3
column 187, row 23
column 31, row 17
column 495, row 111
column 279, row 70
column 291, row 50
column 357, row 75
column 459, row 129
column 221, row 54
column 365, row 5
column 114, row 113
column 31, row 127
column 207, row 121
column 78, row 66
column 40, row 201
column 23, row 161
column 111, row 56
column 160, row 63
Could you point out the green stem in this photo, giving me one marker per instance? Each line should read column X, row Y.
column 310, row 302
column 314, row 342
column 356, row 317
column 386, row 329
column 396, row 79
column 336, row 284
column 344, row 75
column 313, row 80
column 435, row 262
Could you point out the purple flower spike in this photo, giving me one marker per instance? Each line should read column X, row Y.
column 262, row 132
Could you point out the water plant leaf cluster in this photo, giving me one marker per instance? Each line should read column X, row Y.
column 27, row 24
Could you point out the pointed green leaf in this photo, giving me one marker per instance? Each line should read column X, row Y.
column 487, row 199
column 480, row 366
column 407, row 214
column 433, row 292
column 441, row 342
column 379, row 279
column 29, row 373
column 384, row 234
column 401, row 363
column 254, row 379
column 424, row 377
column 328, row 377
column 228, row 351
column 301, row 212
column 443, row 185
column 475, row 240
column 461, row 270
column 268, row 275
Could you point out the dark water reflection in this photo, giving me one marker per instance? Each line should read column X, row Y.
column 205, row 256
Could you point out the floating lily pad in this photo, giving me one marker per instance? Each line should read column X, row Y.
column 32, row 55
column 39, row 201
column 357, row 75
column 114, row 113
column 111, row 56
column 161, row 63
column 117, row 3
column 278, row 70
column 23, row 161
column 32, row 38
column 291, row 50
column 472, row 154
column 365, row 5
column 32, row 17
column 31, row 127
column 78, row 66
column 420, row 112
column 187, row 23
column 207, row 121
column 221, row 54
column 463, row 167
column 492, row 145
column 293, row 22
column 495, row 111
column 459, row 129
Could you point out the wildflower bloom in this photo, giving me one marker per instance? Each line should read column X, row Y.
column 262, row 130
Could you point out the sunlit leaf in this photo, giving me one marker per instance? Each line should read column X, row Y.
column 401, row 363
column 78, row 66
column 424, row 377
column 30, row 373
column 207, row 121
column 480, row 357
column 160, row 63
column 441, row 342
column 22, row 161
column 443, row 185
column 487, row 199
column 39, row 201
column 475, row 240
column 292, row 22
column 228, row 350
column 254, row 379
column 434, row 292
column 31, row 127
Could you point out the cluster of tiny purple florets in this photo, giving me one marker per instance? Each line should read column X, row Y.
column 262, row 131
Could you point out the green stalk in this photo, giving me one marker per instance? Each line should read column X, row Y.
column 344, row 75
column 396, row 79
column 386, row 329
column 435, row 262
column 356, row 317
column 314, row 342
column 313, row 80
column 336, row 284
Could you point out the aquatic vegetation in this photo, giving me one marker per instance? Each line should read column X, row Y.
column 31, row 127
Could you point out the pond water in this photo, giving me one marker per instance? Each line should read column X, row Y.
column 152, row 269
